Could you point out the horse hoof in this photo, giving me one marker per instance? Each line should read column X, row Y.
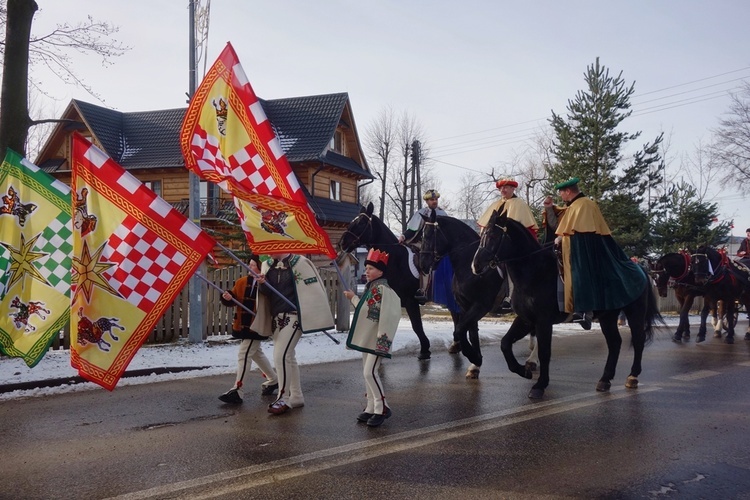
column 603, row 386
column 686, row 337
column 424, row 355
column 677, row 338
column 729, row 340
column 717, row 335
column 747, row 336
column 454, row 348
column 700, row 338
column 531, row 366
column 631, row 382
column 472, row 373
column 536, row 393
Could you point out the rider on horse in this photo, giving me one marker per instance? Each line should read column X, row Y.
column 592, row 260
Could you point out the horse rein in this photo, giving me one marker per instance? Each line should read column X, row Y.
column 494, row 263
column 358, row 238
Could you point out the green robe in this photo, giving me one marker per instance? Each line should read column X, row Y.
column 376, row 319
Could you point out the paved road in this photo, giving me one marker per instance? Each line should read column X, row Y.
column 682, row 434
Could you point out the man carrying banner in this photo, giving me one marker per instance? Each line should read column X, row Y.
column 299, row 304
column 250, row 345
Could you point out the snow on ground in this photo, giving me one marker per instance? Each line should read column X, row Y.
column 219, row 355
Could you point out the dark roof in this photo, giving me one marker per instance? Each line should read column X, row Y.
column 144, row 139
column 305, row 125
column 346, row 163
column 327, row 211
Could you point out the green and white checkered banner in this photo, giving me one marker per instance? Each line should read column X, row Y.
column 36, row 246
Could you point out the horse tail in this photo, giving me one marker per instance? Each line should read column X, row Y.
column 652, row 313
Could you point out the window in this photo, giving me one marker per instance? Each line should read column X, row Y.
column 154, row 186
column 335, row 190
column 336, row 142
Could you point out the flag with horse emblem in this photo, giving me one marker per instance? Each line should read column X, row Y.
column 36, row 243
column 132, row 254
column 227, row 139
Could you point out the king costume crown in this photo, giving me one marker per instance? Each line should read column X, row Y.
column 377, row 259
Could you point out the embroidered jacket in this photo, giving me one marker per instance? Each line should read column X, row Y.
column 311, row 299
column 375, row 319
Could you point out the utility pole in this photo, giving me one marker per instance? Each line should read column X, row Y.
column 416, row 151
column 412, row 182
column 195, row 285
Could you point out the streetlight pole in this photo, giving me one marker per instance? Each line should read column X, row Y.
column 195, row 285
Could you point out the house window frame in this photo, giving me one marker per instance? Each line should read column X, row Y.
column 156, row 183
column 334, row 190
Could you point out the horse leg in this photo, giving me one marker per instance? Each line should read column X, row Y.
column 533, row 360
column 516, row 332
column 684, row 327
column 473, row 371
column 608, row 323
column 729, row 310
column 455, row 346
column 638, row 339
column 544, row 344
column 415, row 316
column 719, row 313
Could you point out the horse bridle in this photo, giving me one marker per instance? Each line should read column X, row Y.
column 358, row 237
column 493, row 261
column 435, row 256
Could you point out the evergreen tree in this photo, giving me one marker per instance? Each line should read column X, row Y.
column 587, row 144
column 687, row 222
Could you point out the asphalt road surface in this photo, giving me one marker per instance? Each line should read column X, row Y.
column 684, row 433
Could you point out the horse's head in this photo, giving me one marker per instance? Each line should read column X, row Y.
column 431, row 250
column 661, row 277
column 359, row 231
column 492, row 241
column 701, row 265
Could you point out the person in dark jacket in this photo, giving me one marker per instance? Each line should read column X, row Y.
column 245, row 290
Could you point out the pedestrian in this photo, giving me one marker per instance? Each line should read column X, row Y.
column 298, row 304
column 373, row 329
column 592, row 260
column 250, row 345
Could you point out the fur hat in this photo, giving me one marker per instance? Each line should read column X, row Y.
column 506, row 182
column 430, row 194
column 377, row 259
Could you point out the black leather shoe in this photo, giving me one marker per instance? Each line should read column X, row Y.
column 378, row 419
column 231, row 397
column 364, row 416
column 268, row 390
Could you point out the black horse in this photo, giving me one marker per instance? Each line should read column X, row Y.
column 369, row 231
column 447, row 237
column 675, row 268
column 533, row 269
column 722, row 280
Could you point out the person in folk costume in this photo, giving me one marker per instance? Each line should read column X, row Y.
column 443, row 275
column 297, row 280
column 592, row 260
column 516, row 209
column 374, row 324
column 744, row 251
column 250, row 345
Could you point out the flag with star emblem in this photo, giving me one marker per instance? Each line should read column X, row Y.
column 227, row 139
column 132, row 254
column 36, row 243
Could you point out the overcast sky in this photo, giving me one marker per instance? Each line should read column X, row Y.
column 480, row 76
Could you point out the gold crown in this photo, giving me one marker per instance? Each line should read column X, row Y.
column 221, row 109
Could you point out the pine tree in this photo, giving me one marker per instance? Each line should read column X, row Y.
column 587, row 144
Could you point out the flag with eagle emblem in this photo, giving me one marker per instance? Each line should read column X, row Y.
column 227, row 139
column 35, row 247
column 132, row 254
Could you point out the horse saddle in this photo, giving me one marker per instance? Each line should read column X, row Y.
column 413, row 259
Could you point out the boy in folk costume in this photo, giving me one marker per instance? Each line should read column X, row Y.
column 373, row 328
column 245, row 291
column 303, row 309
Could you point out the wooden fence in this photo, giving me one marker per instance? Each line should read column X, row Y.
column 217, row 318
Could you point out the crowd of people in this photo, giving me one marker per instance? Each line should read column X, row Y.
column 283, row 297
